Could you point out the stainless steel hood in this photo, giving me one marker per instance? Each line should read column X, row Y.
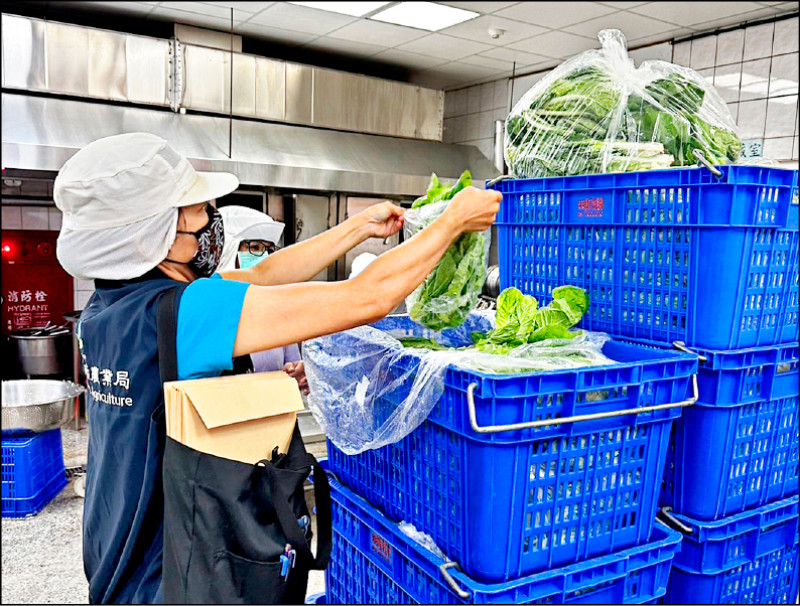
column 42, row 133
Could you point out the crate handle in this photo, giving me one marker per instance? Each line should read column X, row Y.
column 680, row 345
column 473, row 420
column 496, row 180
column 665, row 517
column 464, row 595
column 701, row 158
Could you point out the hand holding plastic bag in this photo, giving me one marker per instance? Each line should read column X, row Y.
column 598, row 113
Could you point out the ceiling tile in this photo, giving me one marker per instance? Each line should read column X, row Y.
column 689, row 13
column 478, row 29
column 245, row 7
column 554, row 15
column 445, row 47
column 662, row 37
column 709, row 26
column 632, row 25
column 413, row 61
column 189, row 18
column 201, row 8
column 556, row 45
column 273, row 34
column 346, row 47
column 133, row 8
column 509, row 54
column 300, row 19
column 375, row 32
column 482, row 61
column 623, row 5
column 480, row 7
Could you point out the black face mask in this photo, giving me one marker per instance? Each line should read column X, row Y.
column 210, row 239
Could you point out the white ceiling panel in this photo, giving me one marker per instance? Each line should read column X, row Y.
column 478, row 29
column 375, row 32
column 446, row 47
column 136, row 8
column 689, row 13
column 556, row 45
column 623, row 5
column 189, row 18
column 630, row 24
column 733, row 20
column 518, row 56
column 212, row 10
column 652, row 39
column 300, row 19
column 554, row 15
column 345, row 47
column 273, row 34
column 409, row 60
column 480, row 7
column 482, row 61
column 245, row 7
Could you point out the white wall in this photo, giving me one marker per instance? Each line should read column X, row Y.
column 755, row 69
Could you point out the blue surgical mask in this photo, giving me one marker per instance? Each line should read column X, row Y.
column 248, row 259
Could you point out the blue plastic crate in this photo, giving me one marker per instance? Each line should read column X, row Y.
column 508, row 504
column 665, row 255
column 737, row 447
column 317, row 598
column 33, row 472
column 748, row 558
column 373, row 562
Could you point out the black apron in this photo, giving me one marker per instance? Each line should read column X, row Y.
column 236, row 533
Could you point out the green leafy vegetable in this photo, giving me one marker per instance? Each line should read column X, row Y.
column 451, row 290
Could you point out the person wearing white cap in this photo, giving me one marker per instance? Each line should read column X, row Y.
column 250, row 237
column 137, row 219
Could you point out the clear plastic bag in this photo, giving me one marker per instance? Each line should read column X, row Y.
column 368, row 390
column 451, row 290
column 598, row 113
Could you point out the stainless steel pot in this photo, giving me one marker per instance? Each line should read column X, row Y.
column 38, row 404
column 43, row 353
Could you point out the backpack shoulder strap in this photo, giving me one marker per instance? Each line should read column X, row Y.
column 167, row 331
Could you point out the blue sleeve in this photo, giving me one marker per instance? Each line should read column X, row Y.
column 208, row 320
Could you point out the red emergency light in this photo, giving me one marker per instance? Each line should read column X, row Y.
column 6, row 248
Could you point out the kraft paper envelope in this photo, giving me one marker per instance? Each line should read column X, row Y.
column 240, row 417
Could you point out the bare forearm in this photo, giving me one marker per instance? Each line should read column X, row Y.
column 304, row 260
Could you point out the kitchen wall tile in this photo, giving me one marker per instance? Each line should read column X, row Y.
column 730, row 47
column 752, row 118
column 54, row 219
column 781, row 116
column 449, row 104
column 500, row 114
column 35, row 218
column 784, row 74
column 734, row 109
column 459, row 129
column 12, row 217
column 794, row 148
column 447, row 131
column 473, row 128
column 681, row 53
column 786, row 36
column 460, row 102
column 727, row 79
column 501, row 94
column 703, row 52
column 486, row 124
column 755, row 79
column 473, row 99
column 487, row 96
column 779, row 148
column 758, row 41
column 85, row 285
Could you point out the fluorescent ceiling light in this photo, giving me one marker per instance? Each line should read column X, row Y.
column 424, row 15
column 354, row 9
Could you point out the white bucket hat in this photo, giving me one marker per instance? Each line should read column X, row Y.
column 242, row 223
column 120, row 197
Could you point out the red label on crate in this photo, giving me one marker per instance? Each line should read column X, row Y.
column 381, row 547
column 591, row 208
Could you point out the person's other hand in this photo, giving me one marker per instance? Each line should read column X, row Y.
column 474, row 209
column 384, row 219
column 297, row 371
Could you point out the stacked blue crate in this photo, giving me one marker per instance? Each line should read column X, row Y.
column 33, row 472
column 710, row 261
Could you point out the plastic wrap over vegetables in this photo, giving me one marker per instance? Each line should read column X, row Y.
column 598, row 113
column 452, row 289
column 373, row 385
